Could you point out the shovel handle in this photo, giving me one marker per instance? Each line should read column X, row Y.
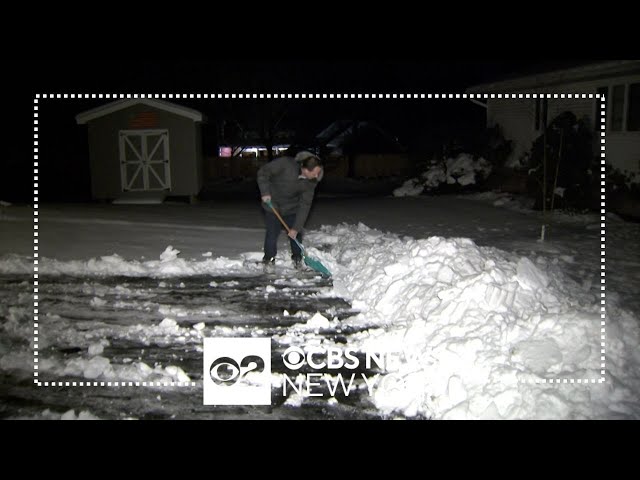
column 268, row 202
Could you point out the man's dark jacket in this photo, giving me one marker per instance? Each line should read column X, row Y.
column 290, row 191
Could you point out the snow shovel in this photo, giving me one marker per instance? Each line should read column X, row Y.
column 310, row 262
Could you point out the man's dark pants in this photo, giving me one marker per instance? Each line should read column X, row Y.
column 274, row 227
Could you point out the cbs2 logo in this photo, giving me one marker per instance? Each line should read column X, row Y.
column 225, row 371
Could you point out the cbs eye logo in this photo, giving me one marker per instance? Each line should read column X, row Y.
column 293, row 358
column 226, row 365
column 226, row 371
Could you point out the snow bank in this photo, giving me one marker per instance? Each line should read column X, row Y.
column 476, row 326
column 169, row 265
column 68, row 415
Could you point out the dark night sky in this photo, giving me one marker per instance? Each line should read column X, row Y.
column 189, row 75
column 64, row 145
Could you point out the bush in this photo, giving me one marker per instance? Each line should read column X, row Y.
column 494, row 147
column 623, row 192
column 570, row 156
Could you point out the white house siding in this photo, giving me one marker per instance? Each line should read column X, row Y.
column 623, row 151
column 583, row 107
column 516, row 117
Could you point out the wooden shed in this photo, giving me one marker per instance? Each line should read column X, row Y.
column 143, row 150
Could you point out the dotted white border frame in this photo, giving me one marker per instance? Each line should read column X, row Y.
column 409, row 96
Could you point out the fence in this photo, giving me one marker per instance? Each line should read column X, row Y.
column 364, row 166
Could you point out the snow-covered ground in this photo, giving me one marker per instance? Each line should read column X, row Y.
column 490, row 321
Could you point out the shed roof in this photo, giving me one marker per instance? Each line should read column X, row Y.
column 592, row 71
column 103, row 110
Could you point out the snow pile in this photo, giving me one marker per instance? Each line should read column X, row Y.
column 68, row 415
column 475, row 327
column 316, row 323
column 94, row 363
column 319, row 321
column 83, row 415
column 169, row 265
column 411, row 188
column 462, row 170
column 101, row 368
column 92, row 368
column 169, row 255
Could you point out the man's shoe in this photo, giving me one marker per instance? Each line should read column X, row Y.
column 297, row 263
column 269, row 264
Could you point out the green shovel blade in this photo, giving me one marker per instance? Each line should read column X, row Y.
column 312, row 262
column 316, row 265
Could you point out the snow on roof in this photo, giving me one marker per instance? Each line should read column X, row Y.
column 558, row 77
column 94, row 113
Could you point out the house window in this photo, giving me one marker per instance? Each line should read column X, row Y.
column 540, row 120
column 617, row 108
column 633, row 112
column 623, row 108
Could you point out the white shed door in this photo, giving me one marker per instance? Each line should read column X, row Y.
column 144, row 160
